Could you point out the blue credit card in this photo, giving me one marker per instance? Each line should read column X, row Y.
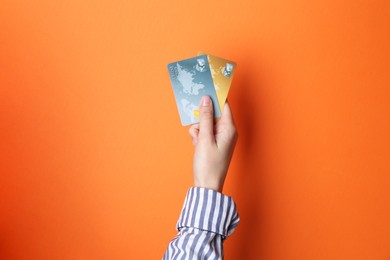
column 191, row 80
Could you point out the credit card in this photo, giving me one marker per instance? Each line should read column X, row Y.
column 191, row 79
column 222, row 72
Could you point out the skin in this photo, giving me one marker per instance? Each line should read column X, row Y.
column 214, row 145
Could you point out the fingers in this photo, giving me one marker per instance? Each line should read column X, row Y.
column 206, row 113
column 194, row 133
column 227, row 116
column 226, row 124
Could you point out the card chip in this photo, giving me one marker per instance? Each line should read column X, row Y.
column 196, row 113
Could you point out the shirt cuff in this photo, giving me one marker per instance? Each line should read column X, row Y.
column 209, row 210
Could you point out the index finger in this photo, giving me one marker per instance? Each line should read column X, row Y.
column 227, row 116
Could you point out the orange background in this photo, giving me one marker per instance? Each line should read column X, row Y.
column 95, row 163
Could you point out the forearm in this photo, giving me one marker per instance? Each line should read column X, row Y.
column 206, row 220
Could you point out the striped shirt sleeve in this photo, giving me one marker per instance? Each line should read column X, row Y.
column 206, row 220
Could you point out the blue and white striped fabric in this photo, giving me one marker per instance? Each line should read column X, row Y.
column 206, row 220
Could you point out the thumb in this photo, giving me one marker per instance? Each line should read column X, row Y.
column 206, row 113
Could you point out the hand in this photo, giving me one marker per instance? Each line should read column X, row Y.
column 214, row 146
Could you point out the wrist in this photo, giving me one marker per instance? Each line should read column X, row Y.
column 212, row 185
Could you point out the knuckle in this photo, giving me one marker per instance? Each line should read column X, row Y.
column 232, row 132
column 206, row 113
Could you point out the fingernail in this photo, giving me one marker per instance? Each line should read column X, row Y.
column 206, row 101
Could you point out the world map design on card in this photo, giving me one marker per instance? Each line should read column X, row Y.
column 191, row 80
